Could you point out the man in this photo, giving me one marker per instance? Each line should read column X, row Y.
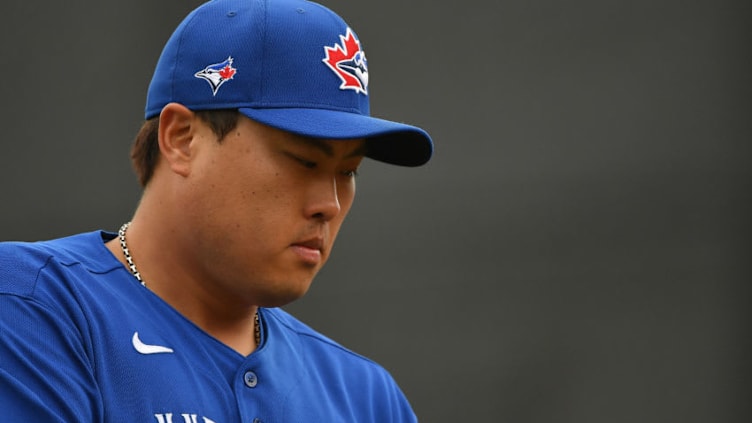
column 257, row 120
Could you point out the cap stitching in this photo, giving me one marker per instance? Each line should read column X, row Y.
column 262, row 65
column 179, row 51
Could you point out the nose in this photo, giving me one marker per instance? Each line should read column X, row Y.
column 323, row 201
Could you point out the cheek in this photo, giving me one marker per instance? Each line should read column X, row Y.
column 262, row 204
column 229, row 196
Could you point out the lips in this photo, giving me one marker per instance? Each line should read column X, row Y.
column 309, row 251
column 313, row 243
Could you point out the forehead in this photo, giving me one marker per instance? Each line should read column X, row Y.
column 347, row 148
column 330, row 147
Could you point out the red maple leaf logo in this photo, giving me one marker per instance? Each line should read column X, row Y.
column 227, row 72
column 346, row 51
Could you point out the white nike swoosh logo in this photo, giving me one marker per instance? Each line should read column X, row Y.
column 146, row 348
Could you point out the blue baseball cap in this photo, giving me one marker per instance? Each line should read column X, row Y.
column 290, row 64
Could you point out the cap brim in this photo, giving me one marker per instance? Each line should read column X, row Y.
column 387, row 141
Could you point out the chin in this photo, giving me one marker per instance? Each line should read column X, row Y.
column 282, row 295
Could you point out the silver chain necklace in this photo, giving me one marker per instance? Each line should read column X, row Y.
column 127, row 253
column 134, row 270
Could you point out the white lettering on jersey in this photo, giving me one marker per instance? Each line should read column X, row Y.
column 187, row 418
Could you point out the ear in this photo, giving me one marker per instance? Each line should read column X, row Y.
column 176, row 132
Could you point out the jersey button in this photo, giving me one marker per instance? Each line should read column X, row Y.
column 250, row 379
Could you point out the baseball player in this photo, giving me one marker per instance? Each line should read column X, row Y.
column 257, row 118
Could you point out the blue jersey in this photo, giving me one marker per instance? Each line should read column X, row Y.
column 82, row 341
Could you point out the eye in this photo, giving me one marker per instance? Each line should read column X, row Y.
column 306, row 163
column 351, row 173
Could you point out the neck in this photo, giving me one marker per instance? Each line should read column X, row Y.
column 177, row 282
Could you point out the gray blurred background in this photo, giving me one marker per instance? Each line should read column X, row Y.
column 578, row 249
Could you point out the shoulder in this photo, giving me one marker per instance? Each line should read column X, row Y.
column 329, row 358
column 20, row 265
column 321, row 352
column 47, row 350
column 351, row 382
column 313, row 340
column 23, row 263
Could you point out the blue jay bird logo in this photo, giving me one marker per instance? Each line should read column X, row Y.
column 217, row 74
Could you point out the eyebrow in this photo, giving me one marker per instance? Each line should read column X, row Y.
column 327, row 149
